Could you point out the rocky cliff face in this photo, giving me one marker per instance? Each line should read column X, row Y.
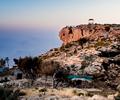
column 90, row 53
column 91, row 31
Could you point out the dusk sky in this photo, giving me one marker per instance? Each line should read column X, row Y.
column 31, row 27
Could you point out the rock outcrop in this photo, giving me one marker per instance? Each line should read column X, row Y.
column 86, row 51
column 91, row 31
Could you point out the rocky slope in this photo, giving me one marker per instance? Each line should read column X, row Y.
column 92, row 55
column 97, row 57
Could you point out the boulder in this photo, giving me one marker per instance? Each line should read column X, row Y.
column 95, row 68
column 118, row 87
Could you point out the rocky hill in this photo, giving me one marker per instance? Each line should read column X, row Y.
column 91, row 53
column 91, row 50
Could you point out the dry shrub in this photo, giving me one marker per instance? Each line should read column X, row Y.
column 43, row 90
column 101, row 43
column 48, row 67
column 9, row 94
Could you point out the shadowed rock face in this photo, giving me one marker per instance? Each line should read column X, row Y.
column 91, row 31
column 109, row 53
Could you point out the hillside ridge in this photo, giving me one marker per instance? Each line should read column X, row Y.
column 92, row 31
column 93, row 54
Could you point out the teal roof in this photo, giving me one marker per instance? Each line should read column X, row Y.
column 80, row 77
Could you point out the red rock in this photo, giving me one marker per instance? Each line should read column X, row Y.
column 90, row 31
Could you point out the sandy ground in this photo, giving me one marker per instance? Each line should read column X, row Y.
column 41, row 93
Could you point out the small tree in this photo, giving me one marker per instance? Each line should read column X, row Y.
column 29, row 66
column 2, row 62
column 107, row 28
column 70, row 30
column 7, row 61
column 82, row 41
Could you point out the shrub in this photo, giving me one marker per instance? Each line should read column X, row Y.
column 107, row 28
column 48, row 67
column 102, row 43
column 30, row 66
column 62, row 48
column 68, row 45
column 8, row 94
column 82, row 41
column 117, row 97
column 55, row 49
column 43, row 90
column 75, row 51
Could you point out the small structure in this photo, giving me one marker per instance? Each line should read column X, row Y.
column 18, row 74
column 91, row 21
column 64, row 76
column 106, row 32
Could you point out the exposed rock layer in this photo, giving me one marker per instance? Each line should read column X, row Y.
column 91, row 31
column 98, row 55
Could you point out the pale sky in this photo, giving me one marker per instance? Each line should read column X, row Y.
column 56, row 13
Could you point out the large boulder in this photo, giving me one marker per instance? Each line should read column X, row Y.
column 95, row 68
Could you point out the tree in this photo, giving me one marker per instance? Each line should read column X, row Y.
column 48, row 68
column 7, row 61
column 82, row 41
column 70, row 30
column 2, row 62
column 107, row 28
column 34, row 67
column 30, row 66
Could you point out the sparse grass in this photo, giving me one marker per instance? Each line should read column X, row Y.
column 68, row 92
column 30, row 91
column 80, row 92
column 53, row 54
column 99, row 43
column 102, row 43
